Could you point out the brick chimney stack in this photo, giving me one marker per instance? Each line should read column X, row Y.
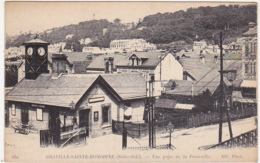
column 109, row 64
column 59, row 62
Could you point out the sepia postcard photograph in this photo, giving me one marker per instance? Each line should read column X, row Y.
column 114, row 81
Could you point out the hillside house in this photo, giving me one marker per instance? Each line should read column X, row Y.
column 249, row 63
column 105, row 64
column 164, row 66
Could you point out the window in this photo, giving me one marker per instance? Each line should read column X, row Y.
column 39, row 114
column 95, row 116
column 107, row 67
column 105, row 114
column 128, row 111
column 254, row 68
column 13, row 110
column 184, row 77
column 246, row 67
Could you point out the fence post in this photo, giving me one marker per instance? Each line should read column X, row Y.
column 124, row 137
column 113, row 126
column 57, row 132
column 139, row 125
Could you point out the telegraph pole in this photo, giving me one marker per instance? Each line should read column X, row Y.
column 222, row 97
column 221, row 88
column 150, row 106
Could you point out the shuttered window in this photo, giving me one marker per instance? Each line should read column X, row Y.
column 106, row 114
column 13, row 110
column 39, row 114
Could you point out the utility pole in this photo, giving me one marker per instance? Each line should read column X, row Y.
column 222, row 90
column 151, row 113
column 222, row 97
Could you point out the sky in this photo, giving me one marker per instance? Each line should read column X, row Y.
column 40, row 16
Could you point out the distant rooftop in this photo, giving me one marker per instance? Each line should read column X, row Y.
column 36, row 41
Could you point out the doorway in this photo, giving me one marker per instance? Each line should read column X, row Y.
column 84, row 119
column 54, row 113
column 24, row 116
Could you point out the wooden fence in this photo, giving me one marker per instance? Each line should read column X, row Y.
column 212, row 118
column 47, row 138
column 135, row 130
column 247, row 139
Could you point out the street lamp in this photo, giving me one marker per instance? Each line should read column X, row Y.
column 170, row 128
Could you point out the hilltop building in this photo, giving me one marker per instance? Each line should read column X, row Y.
column 132, row 45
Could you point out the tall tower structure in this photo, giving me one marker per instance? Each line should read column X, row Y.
column 36, row 58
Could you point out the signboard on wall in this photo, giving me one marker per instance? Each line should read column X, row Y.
column 96, row 99
column 38, row 106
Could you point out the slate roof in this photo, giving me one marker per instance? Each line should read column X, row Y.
column 81, row 66
column 48, row 91
column 196, row 89
column 72, row 57
column 233, row 56
column 127, row 85
column 71, row 87
column 165, row 103
column 197, row 69
column 152, row 59
column 251, row 32
column 230, row 65
column 206, row 78
column 13, row 63
column 36, row 41
column 7, row 90
column 99, row 64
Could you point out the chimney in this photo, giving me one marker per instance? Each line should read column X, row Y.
column 202, row 59
column 251, row 25
column 216, row 58
column 59, row 62
column 109, row 62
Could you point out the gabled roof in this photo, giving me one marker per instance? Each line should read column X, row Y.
column 48, row 91
column 127, row 85
column 196, row 89
column 196, row 68
column 13, row 63
column 71, row 87
column 36, row 41
column 140, row 55
column 206, row 78
column 152, row 59
column 165, row 103
column 72, row 57
column 230, row 65
column 233, row 56
column 99, row 64
column 251, row 32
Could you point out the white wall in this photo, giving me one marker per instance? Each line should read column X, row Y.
column 21, row 72
column 171, row 69
column 137, row 110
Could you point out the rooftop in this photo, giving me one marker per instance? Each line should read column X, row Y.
column 99, row 64
column 152, row 59
column 165, row 103
column 71, row 87
column 72, row 56
column 36, row 41
column 251, row 31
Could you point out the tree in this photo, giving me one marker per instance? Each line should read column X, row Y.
column 117, row 21
column 11, row 76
